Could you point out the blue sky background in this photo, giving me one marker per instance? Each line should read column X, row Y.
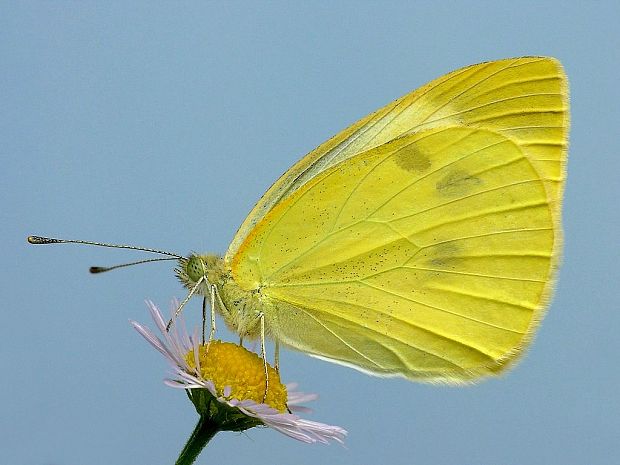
column 160, row 124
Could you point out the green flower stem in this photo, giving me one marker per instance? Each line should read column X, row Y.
column 203, row 432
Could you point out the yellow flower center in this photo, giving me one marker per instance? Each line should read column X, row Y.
column 228, row 364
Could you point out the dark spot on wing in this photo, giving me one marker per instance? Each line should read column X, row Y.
column 411, row 158
column 457, row 183
column 444, row 255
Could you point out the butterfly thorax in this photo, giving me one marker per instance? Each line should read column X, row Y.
column 239, row 308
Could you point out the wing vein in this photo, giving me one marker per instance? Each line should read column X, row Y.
column 465, row 273
column 487, row 234
column 483, row 297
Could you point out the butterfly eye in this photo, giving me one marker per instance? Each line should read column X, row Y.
column 195, row 268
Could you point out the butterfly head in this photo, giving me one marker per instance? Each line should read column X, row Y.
column 197, row 270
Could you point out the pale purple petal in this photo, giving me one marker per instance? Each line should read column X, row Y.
column 184, row 337
column 289, row 424
column 182, row 385
column 296, row 397
column 156, row 316
column 196, row 352
column 300, row 429
column 155, row 342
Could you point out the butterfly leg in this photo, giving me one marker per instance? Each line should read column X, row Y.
column 178, row 310
column 212, row 331
column 276, row 363
column 204, row 318
column 263, row 352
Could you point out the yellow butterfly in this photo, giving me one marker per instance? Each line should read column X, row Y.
column 423, row 241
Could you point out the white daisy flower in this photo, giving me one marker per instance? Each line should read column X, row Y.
column 226, row 383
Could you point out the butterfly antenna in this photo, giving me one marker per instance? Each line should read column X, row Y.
column 103, row 269
column 39, row 240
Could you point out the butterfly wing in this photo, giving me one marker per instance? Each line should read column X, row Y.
column 526, row 99
column 432, row 254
